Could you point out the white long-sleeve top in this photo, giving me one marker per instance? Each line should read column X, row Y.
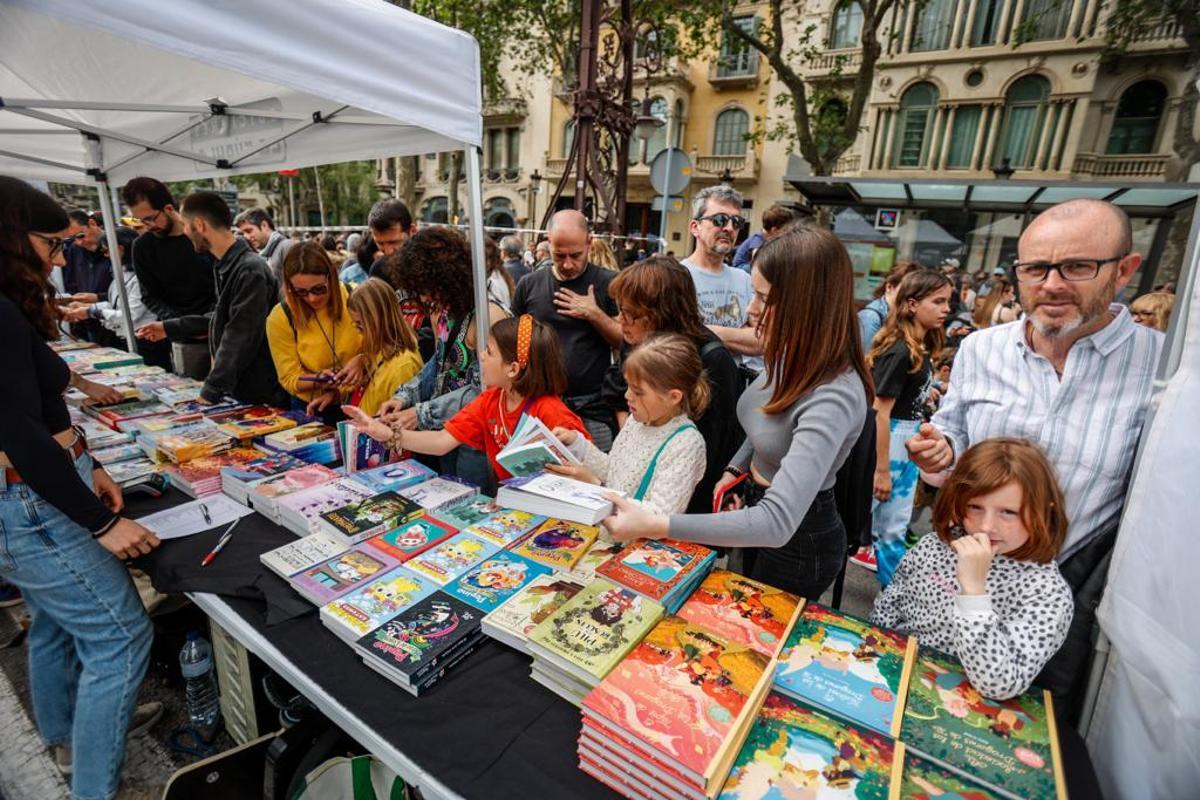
column 109, row 311
column 1003, row 638
column 680, row 465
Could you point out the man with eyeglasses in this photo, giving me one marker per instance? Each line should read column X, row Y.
column 723, row 292
column 1076, row 376
column 176, row 281
column 87, row 271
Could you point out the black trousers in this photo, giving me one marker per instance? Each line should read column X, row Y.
column 808, row 564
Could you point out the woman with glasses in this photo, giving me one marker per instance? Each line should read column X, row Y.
column 89, row 637
column 315, row 346
column 802, row 416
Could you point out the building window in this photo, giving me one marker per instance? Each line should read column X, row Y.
column 513, row 148
column 436, row 210
column 658, row 140
column 1135, row 127
column 962, row 136
column 847, row 26
column 987, row 18
column 1045, row 19
column 737, row 58
column 916, row 124
column 568, row 138
column 729, row 138
column 934, row 21
column 495, row 149
column 1024, row 115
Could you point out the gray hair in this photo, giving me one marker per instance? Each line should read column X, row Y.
column 353, row 241
column 722, row 193
column 512, row 246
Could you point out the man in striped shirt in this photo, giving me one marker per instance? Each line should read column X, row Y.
column 1076, row 377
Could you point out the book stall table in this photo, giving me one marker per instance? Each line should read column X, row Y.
column 486, row 730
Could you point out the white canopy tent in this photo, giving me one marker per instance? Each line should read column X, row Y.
column 101, row 92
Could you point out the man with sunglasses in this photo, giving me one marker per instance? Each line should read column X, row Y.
column 723, row 292
column 176, row 281
column 1076, row 376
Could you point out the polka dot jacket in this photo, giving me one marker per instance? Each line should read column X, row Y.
column 1003, row 638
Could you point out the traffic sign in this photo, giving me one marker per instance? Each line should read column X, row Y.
column 680, row 171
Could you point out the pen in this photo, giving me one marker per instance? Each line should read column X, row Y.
column 204, row 511
column 224, row 540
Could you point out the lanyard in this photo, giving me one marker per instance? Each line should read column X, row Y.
column 503, row 424
column 644, row 486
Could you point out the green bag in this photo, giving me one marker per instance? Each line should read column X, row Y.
column 358, row 778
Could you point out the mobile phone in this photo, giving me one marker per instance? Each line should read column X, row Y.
column 735, row 489
column 319, row 378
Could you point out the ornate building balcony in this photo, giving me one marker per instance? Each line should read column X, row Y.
column 741, row 167
column 736, row 72
column 834, row 62
column 1145, row 167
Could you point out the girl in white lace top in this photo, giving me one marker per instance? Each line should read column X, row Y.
column 658, row 457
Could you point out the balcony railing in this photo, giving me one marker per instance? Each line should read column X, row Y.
column 1165, row 29
column 734, row 71
column 741, row 167
column 1149, row 167
column 502, row 175
column 848, row 165
column 846, row 62
column 556, row 166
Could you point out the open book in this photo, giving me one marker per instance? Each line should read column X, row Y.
column 531, row 448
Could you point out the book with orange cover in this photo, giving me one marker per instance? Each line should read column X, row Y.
column 742, row 610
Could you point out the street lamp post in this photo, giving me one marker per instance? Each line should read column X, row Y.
column 535, row 182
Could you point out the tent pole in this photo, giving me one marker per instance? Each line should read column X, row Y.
column 114, row 254
column 478, row 257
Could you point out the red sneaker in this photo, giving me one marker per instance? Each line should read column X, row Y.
column 865, row 558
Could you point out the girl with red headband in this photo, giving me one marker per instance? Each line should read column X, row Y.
column 522, row 373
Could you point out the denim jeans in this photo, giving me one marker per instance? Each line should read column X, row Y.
column 808, row 564
column 890, row 519
column 89, row 638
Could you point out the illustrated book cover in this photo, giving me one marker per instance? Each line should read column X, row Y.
column 412, row 538
column 370, row 516
column 438, row 493
column 471, row 510
column 295, row 557
column 558, row 543
column 742, row 610
column 341, row 574
column 505, row 526
column 517, row 616
column 357, row 613
column 395, row 476
column 409, row 644
column 654, row 567
column 495, row 579
column 452, row 558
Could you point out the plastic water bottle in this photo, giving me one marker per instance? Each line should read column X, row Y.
column 203, row 704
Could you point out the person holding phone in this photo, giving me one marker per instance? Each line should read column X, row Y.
column 316, row 348
column 802, row 416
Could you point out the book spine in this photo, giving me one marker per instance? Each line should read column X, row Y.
column 910, row 658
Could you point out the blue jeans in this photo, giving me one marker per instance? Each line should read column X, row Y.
column 889, row 519
column 89, row 640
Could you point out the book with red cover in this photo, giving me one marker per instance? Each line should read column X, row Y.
column 412, row 538
column 742, row 610
column 654, row 567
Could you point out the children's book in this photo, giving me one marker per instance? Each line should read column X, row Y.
column 127, row 473
column 1011, row 746
column 357, row 613
column 686, row 696
column 654, row 567
column 202, row 475
column 299, row 436
column 517, row 616
column 412, row 538
column 495, row 579
column 843, row 664
column 301, row 511
column 556, row 496
column 600, row 552
column 531, row 447
column 117, row 452
column 558, row 543
column 360, row 451
column 341, row 574
column 797, row 751
column 505, row 526
column 472, row 510
column 295, row 557
column 409, row 645
column 594, row 630
column 248, row 423
column 395, row 476
column 438, row 493
column 237, row 481
column 925, row 780
column 192, row 440
column 266, row 493
column 742, row 610
column 369, row 517
column 452, row 558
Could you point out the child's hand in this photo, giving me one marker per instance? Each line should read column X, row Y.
column 576, row 471
column 882, row 489
column 566, row 436
column 372, row 427
column 975, row 554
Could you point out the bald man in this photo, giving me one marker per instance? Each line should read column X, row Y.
column 572, row 297
column 1075, row 376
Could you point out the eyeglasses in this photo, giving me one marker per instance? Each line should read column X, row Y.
column 1077, row 269
column 55, row 243
column 150, row 219
column 721, row 220
column 320, row 290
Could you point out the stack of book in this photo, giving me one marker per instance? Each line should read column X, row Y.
column 470, row 510
column 117, row 452
column 357, row 613
column 98, row 435
column 503, row 527
column 131, row 473
column 300, row 512
column 314, row 442
column 120, row 416
column 580, row 643
column 494, row 580
column 670, row 718
column 447, row 561
column 558, row 543
column 247, row 423
column 264, row 497
column 192, row 440
column 412, row 538
column 360, row 451
column 395, row 476
column 173, row 395
column 742, row 610
column 303, row 554
column 362, row 519
column 664, row 570
column 601, row 552
column 438, row 493
column 202, row 476
column 149, row 429
column 239, row 481
column 555, row 496
column 341, row 574
column 515, row 619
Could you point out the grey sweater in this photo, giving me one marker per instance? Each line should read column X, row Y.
column 798, row 450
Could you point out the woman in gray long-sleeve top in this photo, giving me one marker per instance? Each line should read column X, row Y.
column 801, row 418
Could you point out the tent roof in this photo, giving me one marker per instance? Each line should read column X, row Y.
column 145, row 76
column 925, row 231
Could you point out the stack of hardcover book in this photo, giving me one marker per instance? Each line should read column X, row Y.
column 580, row 643
column 300, row 512
column 314, row 442
column 192, row 440
column 516, row 617
column 202, row 476
column 265, row 496
column 238, row 481
column 120, row 416
column 371, row 516
column 664, row 570
column 357, row 613
column 555, row 496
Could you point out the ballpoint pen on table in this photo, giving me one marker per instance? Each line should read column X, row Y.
column 204, row 511
column 224, row 540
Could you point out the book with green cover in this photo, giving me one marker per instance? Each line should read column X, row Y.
column 594, row 630
column 1011, row 746
column 925, row 780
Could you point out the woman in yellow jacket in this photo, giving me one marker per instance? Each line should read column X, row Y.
column 315, row 346
column 389, row 348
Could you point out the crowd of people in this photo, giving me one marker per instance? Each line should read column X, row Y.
column 740, row 375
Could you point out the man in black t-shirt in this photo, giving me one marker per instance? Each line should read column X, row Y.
column 572, row 298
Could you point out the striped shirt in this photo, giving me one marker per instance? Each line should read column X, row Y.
column 1087, row 422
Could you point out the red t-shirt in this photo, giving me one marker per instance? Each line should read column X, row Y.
column 487, row 425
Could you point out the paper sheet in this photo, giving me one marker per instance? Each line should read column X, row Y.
column 188, row 519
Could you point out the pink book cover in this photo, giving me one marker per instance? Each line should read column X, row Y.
column 342, row 573
column 653, row 567
column 742, row 610
column 296, row 480
column 618, row 748
column 679, row 693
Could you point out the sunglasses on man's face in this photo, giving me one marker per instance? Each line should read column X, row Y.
column 721, row 220
column 320, row 290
